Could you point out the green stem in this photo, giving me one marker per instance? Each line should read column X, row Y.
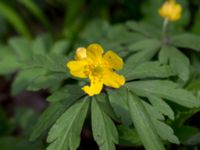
column 164, row 31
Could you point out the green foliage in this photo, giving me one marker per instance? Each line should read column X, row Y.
column 65, row 133
column 104, row 130
column 143, row 124
column 153, row 107
column 14, row 19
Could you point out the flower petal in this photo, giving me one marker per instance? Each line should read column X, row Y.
column 94, row 52
column 77, row 68
column 113, row 60
column 95, row 87
column 112, row 79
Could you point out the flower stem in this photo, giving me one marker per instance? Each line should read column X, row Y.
column 165, row 38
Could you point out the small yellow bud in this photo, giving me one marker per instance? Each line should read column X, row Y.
column 171, row 10
column 81, row 53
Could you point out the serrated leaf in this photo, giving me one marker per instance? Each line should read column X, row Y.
column 41, row 45
column 66, row 92
column 165, row 89
column 65, row 133
column 152, row 111
column 52, row 62
column 165, row 131
column 177, row 60
column 128, row 136
column 150, row 70
column 161, row 106
column 144, row 44
column 60, row 47
column 49, row 116
column 187, row 40
column 118, row 100
column 135, row 59
column 47, row 81
column 144, row 28
column 9, row 64
column 104, row 130
column 21, row 47
column 24, row 78
column 105, row 105
column 143, row 124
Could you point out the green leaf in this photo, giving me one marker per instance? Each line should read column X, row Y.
column 36, row 11
column 118, row 100
column 24, row 78
column 144, row 44
column 41, row 45
column 177, row 60
column 52, row 62
column 161, row 106
column 14, row 19
column 21, row 47
column 143, row 124
column 187, row 40
column 9, row 64
column 50, row 81
column 165, row 131
column 149, row 70
column 155, row 114
column 65, row 133
column 164, row 89
column 60, row 47
column 146, row 29
column 128, row 136
column 105, row 105
column 66, row 92
column 103, row 129
column 136, row 59
column 49, row 116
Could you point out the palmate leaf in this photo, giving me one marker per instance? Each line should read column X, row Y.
column 144, row 44
column 46, row 119
column 136, row 59
column 150, row 70
column 163, row 130
column 161, row 106
column 177, row 60
column 128, row 136
column 66, row 92
column 65, row 133
column 164, row 89
column 143, row 124
column 146, row 29
column 186, row 40
column 104, row 130
column 24, row 78
column 105, row 105
column 52, row 113
column 21, row 47
column 51, row 62
column 118, row 100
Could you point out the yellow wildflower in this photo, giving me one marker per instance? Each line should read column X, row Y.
column 100, row 69
column 171, row 10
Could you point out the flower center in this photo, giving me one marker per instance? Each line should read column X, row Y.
column 97, row 70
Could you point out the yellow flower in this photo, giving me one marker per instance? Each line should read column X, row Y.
column 171, row 10
column 98, row 67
